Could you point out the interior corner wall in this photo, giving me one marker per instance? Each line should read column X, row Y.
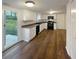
column 71, row 29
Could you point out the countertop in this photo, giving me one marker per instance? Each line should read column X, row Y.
column 32, row 24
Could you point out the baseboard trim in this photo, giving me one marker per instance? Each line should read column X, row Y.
column 11, row 46
column 68, row 52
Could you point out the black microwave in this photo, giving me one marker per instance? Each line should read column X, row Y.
column 50, row 17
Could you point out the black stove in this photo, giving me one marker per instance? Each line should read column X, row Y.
column 50, row 25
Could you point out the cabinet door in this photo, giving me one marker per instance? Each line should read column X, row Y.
column 55, row 26
column 32, row 32
column 43, row 26
column 26, row 34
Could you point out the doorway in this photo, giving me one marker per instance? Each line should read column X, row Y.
column 10, row 28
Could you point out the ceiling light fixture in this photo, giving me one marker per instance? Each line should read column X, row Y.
column 51, row 12
column 73, row 11
column 29, row 3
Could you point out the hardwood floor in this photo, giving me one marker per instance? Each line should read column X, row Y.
column 48, row 44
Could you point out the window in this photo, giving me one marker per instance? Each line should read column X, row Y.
column 10, row 28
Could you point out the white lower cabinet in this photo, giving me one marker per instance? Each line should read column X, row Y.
column 55, row 26
column 29, row 33
column 43, row 26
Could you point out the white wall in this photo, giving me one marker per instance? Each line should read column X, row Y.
column 28, row 15
column 71, row 29
column 46, row 16
column 60, row 20
column 38, row 16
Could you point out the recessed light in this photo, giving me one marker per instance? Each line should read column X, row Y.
column 29, row 3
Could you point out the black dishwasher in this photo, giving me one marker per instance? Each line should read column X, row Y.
column 37, row 29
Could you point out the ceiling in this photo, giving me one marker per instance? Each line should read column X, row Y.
column 40, row 5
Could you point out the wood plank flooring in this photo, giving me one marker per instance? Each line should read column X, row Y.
column 48, row 44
